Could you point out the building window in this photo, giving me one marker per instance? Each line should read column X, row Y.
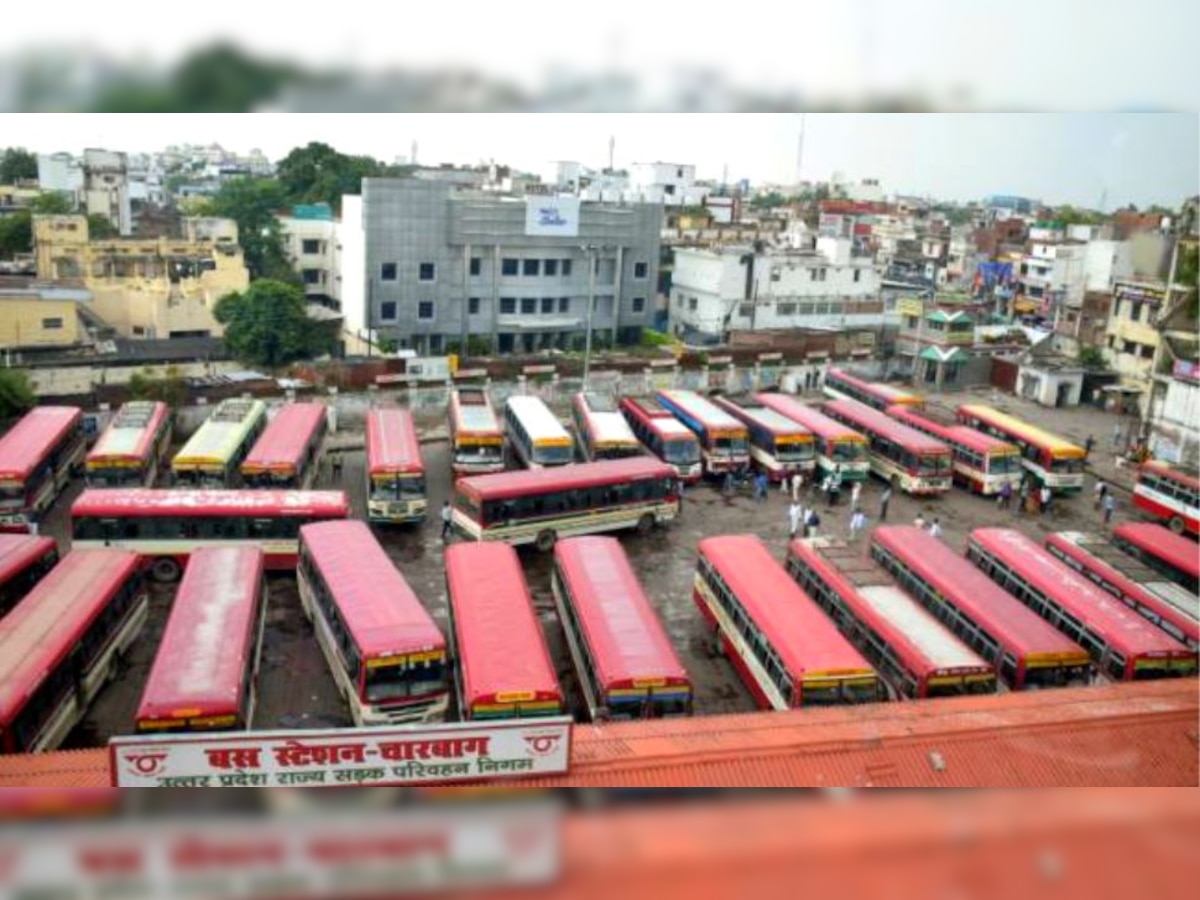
column 566, row 268
column 547, row 305
column 528, row 305
column 638, row 305
column 426, row 272
column 508, row 266
column 786, row 309
column 550, row 267
column 435, row 344
column 746, row 310
column 641, row 269
column 310, row 246
column 472, row 306
column 564, row 304
column 476, row 265
column 425, row 309
column 530, row 266
column 52, row 324
column 1145, row 351
column 858, row 274
column 387, row 272
column 312, row 276
column 387, row 311
column 691, row 304
column 504, row 342
column 606, row 271
column 508, row 306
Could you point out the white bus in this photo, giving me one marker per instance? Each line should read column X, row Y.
column 536, row 435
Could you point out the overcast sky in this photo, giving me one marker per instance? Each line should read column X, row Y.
column 1060, row 158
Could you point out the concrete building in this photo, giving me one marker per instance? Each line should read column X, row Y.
column 145, row 288
column 443, row 267
column 106, row 188
column 61, row 172
column 1049, row 378
column 719, row 290
column 313, row 244
column 671, row 184
column 1174, row 415
column 1132, row 336
column 1104, row 262
column 934, row 344
column 41, row 316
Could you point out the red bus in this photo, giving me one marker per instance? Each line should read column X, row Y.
column 1166, row 604
column 982, row 464
column 902, row 456
column 538, row 506
column 1123, row 644
column 907, row 646
column 24, row 561
column 724, row 442
column 204, row 672
column 165, row 526
column 778, row 445
column 501, row 662
column 63, row 642
column 838, row 448
column 664, row 436
column 601, row 431
column 386, row 653
column 1174, row 556
column 1169, row 494
column 395, row 470
column 476, row 439
column 288, row 452
column 1050, row 459
column 38, row 455
column 784, row 648
column 843, row 386
column 1025, row 651
column 624, row 661
column 132, row 448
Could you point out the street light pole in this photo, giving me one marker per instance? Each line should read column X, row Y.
column 587, row 346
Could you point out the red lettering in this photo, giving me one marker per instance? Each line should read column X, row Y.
column 197, row 853
column 110, row 860
column 345, row 850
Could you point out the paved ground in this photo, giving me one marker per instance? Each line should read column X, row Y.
column 296, row 690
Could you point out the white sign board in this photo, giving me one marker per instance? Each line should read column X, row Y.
column 552, row 216
column 345, row 756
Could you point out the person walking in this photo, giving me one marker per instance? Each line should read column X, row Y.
column 1088, row 444
column 761, row 486
column 935, row 528
column 855, row 493
column 835, row 487
column 884, row 500
column 785, row 484
column 446, row 517
column 1004, row 498
column 727, row 487
column 919, row 521
column 1110, row 504
column 858, row 521
column 795, row 513
column 1046, row 497
column 1098, row 493
column 1022, row 497
column 797, row 484
column 812, row 523
column 1116, row 436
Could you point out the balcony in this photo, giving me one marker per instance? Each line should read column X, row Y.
column 539, row 322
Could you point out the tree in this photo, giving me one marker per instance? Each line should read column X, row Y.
column 267, row 325
column 319, row 174
column 16, row 393
column 1069, row 215
column 51, row 203
column 253, row 203
column 16, row 234
column 18, row 164
column 1091, row 358
column 100, row 228
column 169, row 389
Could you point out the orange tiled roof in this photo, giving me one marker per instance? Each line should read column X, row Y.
column 1132, row 734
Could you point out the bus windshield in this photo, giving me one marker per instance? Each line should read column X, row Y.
column 933, row 465
column 394, row 487
column 681, row 453
column 12, row 496
column 793, row 451
column 269, row 479
column 617, row 452
column 200, row 478
column 466, row 452
column 728, row 446
column 405, row 680
column 848, row 451
column 646, row 708
column 1071, row 465
column 113, row 476
column 552, row 454
column 1004, row 463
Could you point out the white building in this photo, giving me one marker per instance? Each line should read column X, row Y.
column 718, row 290
column 1054, row 269
column 106, row 188
column 1104, row 262
column 671, row 184
column 314, row 247
column 60, row 172
column 353, row 295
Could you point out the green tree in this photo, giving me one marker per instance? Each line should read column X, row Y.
column 1091, row 357
column 99, row 228
column 51, row 203
column 16, row 234
column 317, row 173
column 18, row 164
column 267, row 325
column 253, row 203
column 169, row 389
column 16, row 393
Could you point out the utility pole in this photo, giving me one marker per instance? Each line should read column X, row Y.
column 587, row 345
column 800, row 151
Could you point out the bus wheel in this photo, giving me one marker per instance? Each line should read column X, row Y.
column 545, row 540
column 1176, row 524
column 164, row 570
column 645, row 523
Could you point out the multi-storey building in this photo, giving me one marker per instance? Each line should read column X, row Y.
column 313, row 243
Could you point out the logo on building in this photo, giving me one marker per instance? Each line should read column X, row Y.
column 558, row 216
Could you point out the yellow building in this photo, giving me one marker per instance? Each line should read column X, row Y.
column 1132, row 334
column 32, row 317
column 145, row 287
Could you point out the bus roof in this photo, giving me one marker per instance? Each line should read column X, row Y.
column 1123, row 627
column 210, row 636
column 1174, row 549
column 131, row 433
column 657, row 418
column 381, row 611
column 810, row 418
column 1021, row 429
column 751, row 412
column 806, row 640
column 961, row 435
column 283, row 441
column 627, row 639
column 100, row 502
column 17, row 551
column 886, row 393
column 604, row 421
column 902, row 621
column 25, row 444
column 500, row 644
column 982, row 600
column 221, row 434
column 473, row 411
column 53, row 617
column 539, row 421
column 873, row 420
column 1182, row 474
column 700, row 408
column 649, row 407
column 502, row 485
column 392, row 444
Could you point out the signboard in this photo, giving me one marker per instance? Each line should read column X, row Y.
column 365, row 852
column 770, row 357
column 552, row 216
column 344, row 756
column 910, row 306
column 1186, row 370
